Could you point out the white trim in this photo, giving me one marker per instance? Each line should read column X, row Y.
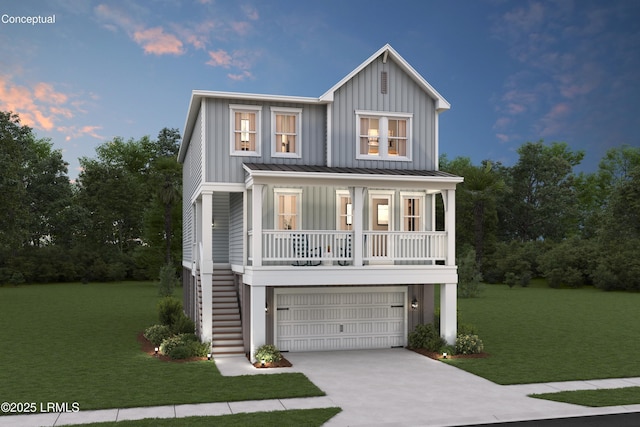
column 254, row 109
column 276, row 205
column 339, row 195
column 422, row 217
column 329, row 134
column 383, row 138
column 297, row 112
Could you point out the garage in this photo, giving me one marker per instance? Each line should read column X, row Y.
column 350, row 318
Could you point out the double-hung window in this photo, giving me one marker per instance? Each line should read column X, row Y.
column 245, row 130
column 285, row 132
column 385, row 136
column 287, row 207
column 412, row 211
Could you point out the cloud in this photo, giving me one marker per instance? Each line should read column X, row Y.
column 240, row 76
column 73, row 132
column 250, row 12
column 219, row 58
column 155, row 41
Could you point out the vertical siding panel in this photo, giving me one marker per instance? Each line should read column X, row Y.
column 235, row 229
column 220, row 244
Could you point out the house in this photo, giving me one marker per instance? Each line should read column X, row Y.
column 310, row 223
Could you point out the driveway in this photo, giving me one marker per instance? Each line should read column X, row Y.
column 398, row 387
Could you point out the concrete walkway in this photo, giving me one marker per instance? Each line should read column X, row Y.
column 374, row 388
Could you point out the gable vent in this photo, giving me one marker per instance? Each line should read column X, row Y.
column 384, row 82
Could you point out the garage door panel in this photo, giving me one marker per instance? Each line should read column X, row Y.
column 331, row 320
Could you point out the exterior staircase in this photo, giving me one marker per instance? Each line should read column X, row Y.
column 227, row 323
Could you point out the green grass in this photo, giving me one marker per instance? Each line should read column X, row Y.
column 538, row 334
column 596, row 398
column 298, row 417
column 77, row 343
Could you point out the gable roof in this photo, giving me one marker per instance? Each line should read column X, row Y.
column 440, row 103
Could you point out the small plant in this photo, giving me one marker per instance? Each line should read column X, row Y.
column 183, row 346
column 157, row 333
column 269, row 353
column 169, row 310
column 427, row 337
column 183, row 325
column 469, row 344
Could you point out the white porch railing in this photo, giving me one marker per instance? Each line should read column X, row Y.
column 311, row 246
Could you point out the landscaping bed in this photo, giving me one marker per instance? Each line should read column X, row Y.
column 148, row 347
column 438, row 356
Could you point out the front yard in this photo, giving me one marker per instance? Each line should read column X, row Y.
column 77, row 343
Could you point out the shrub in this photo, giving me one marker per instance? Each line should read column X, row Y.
column 169, row 310
column 183, row 325
column 269, row 353
column 157, row 333
column 168, row 280
column 183, row 346
column 469, row 283
column 468, row 344
column 427, row 337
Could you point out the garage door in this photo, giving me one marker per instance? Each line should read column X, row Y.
column 340, row 319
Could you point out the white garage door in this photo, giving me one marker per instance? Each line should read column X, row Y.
column 340, row 319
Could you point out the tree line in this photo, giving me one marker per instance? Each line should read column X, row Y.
column 539, row 218
column 121, row 219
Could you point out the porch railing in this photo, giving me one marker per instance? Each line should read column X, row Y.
column 332, row 245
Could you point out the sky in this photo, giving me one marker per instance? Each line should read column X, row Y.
column 513, row 70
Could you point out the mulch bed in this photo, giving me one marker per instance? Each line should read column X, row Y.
column 148, row 347
column 438, row 356
column 283, row 363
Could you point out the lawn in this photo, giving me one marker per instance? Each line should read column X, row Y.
column 596, row 398
column 77, row 343
column 539, row 334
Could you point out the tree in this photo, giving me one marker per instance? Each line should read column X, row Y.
column 541, row 204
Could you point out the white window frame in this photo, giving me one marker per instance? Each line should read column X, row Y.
column 241, row 108
column 297, row 112
column 277, row 192
column 422, row 217
column 340, row 194
column 383, row 140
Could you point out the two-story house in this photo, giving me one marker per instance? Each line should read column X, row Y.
column 310, row 223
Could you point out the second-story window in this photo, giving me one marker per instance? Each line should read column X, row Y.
column 287, row 208
column 412, row 211
column 245, row 130
column 383, row 136
column 285, row 133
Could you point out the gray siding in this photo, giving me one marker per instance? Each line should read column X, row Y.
column 220, row 244
column 191, row 178
column 222, row 167
column 362, row 92
column 235, row 229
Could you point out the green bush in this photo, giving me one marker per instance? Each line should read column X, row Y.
column 427, row 337
column 169, row 311
column 268, row 353
column 183, row 346
column 470, row 279
column 183, row 325
column 468, row 344
column 157, row 333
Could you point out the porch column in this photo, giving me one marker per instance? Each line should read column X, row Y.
column 448, row 319
column 256, row 218
column 357, row 198
column 450, row 224
column 206, row 266
column 258, row 322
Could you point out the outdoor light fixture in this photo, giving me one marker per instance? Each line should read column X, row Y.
column 444, row 355
column 266, row 307
column 414, row 303
column 262, row 363
column 156, row 349
column 208, row 356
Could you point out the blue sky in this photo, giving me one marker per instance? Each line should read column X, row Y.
column 513, row 70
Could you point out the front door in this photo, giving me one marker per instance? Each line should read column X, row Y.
column 380, row 223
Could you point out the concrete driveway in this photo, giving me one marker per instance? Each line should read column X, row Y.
column 398, row 387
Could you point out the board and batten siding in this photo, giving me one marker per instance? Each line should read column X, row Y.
column 191, row 179
column 220, row 244
column 235, row 229
column 318, row 207
column 363, row 92
column 223, row 167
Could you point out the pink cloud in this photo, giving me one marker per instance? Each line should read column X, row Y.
column 241, row 76
column 155, row 41
column 219, row 58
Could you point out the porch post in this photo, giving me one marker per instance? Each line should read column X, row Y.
column 358, row 225
column 256, row 218
column 206, row 268
column 448, row 319
column 257, row 327
column 450, row 225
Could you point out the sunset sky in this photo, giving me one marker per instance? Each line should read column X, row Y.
column 513, row 70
